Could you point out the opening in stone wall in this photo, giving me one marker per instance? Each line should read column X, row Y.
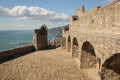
column 75, row 18
column 88, row 56
column 69, row 43
column 75, row 49
column 111, row 68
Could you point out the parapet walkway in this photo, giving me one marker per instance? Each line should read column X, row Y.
column 54, row 64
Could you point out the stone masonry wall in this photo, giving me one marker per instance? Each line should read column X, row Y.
column 75, row 51
column 104, row 46
column 98, row 20
column 16, row 52
column 88, row 61
column 101, row 28
column 108, row 74
column 111, row 68
column 40, row 38
column 69, row 46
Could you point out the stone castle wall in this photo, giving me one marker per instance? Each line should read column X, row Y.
column 98, row 31
column 97, row 20
column 16, row 52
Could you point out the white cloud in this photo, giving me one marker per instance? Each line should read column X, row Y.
column 33, row 13
column 4, row 11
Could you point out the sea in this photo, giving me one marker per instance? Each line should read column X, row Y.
column 10, row 39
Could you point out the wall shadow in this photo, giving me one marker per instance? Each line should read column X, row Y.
column 15, row 53
column 88, row 56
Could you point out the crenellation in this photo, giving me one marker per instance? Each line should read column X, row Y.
column 104, row 18
column 80, row 11
column 93, row 10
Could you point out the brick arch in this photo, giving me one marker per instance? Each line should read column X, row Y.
column 88, row 56
column 111, row 68
column 69, row 43
column 75, row 48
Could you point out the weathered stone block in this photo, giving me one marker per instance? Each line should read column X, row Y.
column 40, row 38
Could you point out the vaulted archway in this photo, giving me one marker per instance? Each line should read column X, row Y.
column 69, row 43
column 75, row 48
column 88, row 56
column 111, row 68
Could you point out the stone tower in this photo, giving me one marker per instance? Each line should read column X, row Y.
column 40, row 38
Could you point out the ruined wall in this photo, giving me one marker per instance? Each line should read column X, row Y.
column 16, row 52
column 98, row 20
column 40, row 38
column 104, row 45
column 65, row 29
column 100, row 27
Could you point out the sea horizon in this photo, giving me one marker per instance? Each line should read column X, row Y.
column 10, row 39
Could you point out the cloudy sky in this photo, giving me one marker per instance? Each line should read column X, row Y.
column 31, row 14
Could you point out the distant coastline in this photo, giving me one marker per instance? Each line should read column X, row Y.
column 10, row 39
column 15, row 39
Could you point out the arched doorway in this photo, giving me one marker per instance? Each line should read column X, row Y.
column 88, row 56
column 69, row 43
column 111, row 68
column 75, row 49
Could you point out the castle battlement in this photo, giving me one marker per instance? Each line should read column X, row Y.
column 99, row 19
column 80, row 11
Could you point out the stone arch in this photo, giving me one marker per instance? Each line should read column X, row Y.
column 69, row 43
column 111, row 68
column 75, row 48
column 88, row 56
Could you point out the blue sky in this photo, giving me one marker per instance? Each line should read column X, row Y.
column 31, row 14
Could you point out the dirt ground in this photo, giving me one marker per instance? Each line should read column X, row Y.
column 55, row 64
